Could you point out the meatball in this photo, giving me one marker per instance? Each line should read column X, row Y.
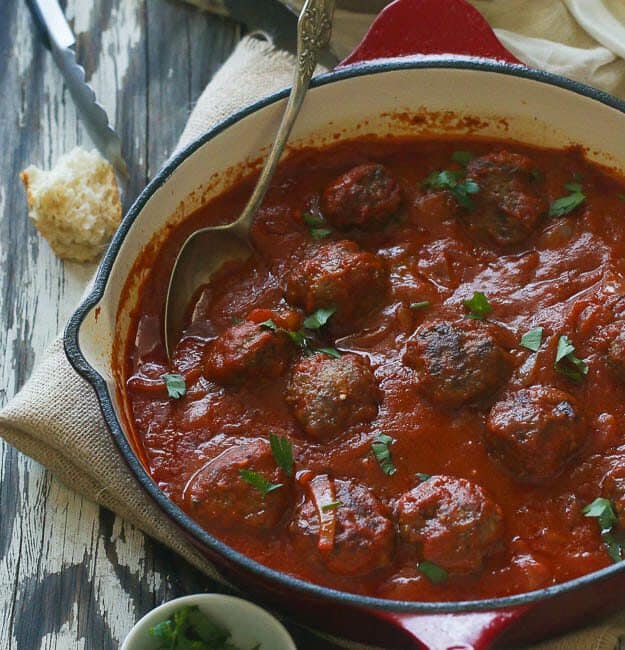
column 509, row 203
column 247, row 351
column 339, row 275
column 218, row 494
column 366, row 196
column 534, row 432
column 327, row 395
column 452, row 522
column 457, row 363
column 616, row 357
column 357, row 535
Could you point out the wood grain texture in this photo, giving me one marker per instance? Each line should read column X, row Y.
column 72, row 575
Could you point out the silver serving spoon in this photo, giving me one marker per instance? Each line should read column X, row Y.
column 208, row 249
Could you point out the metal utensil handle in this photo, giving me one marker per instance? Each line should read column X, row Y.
column 314, row 29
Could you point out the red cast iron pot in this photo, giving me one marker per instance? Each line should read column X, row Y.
column 442, row 28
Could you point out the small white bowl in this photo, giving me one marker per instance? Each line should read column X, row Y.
column 248, row 623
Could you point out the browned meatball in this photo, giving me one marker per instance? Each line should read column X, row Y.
column 616, row 357
column 535, row 432
column 457, row 363
column 452, row 521
column 366, row 196
column 218, row 495
column 509, row 203
column 328, row 395
column 247, row 351
column 357, row 535
column 339, row 275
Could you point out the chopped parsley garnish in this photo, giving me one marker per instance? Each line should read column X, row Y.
column 333, row 505
column 282, row 451
column 298, row 337
column 462, row 157
column 533, row 339
column 434, row 573
column 258, row 481
column 478, row 306
column 461, row 188
column 269, row 325
column 603, row 511
column 189, row 629
column 316, row 225
column 423, row 477
column 420, row 305
column 319, row 318
column 621, row 197
column 567, row 363
column 176, row 386
column 331, row 352
column 382, row 453
column 566, row 204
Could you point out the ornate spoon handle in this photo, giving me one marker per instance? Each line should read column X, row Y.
column 314, row 29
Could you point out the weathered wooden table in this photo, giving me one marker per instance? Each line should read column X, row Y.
column 72, row 575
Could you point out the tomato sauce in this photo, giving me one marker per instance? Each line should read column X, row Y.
column 567, row 276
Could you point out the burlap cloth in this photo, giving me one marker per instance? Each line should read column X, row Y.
column 56, row 418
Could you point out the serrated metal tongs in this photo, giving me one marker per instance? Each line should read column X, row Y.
column 59, row 39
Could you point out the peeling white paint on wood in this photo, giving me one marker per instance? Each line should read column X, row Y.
column 72, row 576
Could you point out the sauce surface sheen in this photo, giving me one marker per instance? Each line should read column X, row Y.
column 566, row 276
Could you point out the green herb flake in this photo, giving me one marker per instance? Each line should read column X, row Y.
column 189, row 629
column 461, row 188
column 298, row 337
column 381, row 451
column 566, row 204
column 316, row 225
column 331, row 352
column 423, row 477
column 320, row 233
column 176, row 386
column 533, row 339
column 282, row 451
column 424, row 304
column 269, row 325
column 434, row 573
column 478, row 306
column 331, row 506
column 258, row 481
column 567, row 364
column 603, row 511
column 614, row 547
column 621, row 197
column 462, row 157
column 312, row 220
column 319, row 318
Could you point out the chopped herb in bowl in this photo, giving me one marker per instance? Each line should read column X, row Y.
column 189, row 629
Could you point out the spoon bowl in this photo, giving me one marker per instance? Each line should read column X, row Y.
column 206, row 252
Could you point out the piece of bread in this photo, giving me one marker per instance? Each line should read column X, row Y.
column 75, row 205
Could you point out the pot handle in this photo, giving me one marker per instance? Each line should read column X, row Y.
column 465, row 631
column 429, row 27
